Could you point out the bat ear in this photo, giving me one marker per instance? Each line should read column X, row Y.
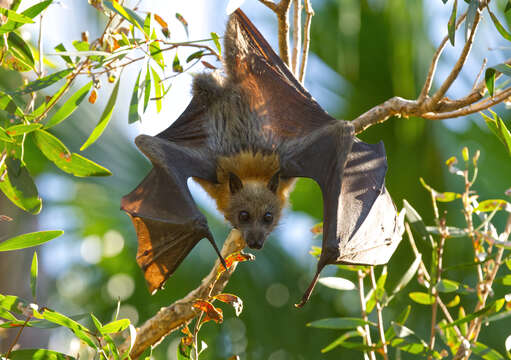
column 273, row 184
column 235, row 183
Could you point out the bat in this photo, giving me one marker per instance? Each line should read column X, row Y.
column 245, row 137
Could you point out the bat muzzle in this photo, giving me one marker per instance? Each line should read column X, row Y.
column 254, row 239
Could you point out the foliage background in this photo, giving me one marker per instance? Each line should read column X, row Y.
column 364, row 52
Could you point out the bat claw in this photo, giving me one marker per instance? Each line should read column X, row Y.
column 220, row 257
column 308, row 292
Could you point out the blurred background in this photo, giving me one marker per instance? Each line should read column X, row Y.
column 362, row 53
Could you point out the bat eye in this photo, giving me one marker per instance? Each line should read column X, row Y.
column 244, row 216
column 268, row 218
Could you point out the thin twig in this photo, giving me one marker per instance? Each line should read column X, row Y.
column 361, row 294
column 381, row 328
column 297, row 35
column 309, row 12
column 40, row 46
column 479, row 74
column 282, row 11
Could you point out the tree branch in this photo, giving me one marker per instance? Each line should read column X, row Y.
column 306, row 39
column 297, row 35
column 172, row 317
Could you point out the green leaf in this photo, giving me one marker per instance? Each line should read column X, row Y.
column 415, row 220
column 500, row 130
column 339, row 323
column 451, row 25
column 133, row 115
column 401, row 319
column 184, row 351
column 147, row 87
column 341, row 341
column 61, row 48
column 126, row 13
column 407, row 277
column 422, row 298
column 176, row 65
column 4, row 314
column 147, row 24
column 33, row 275
column 31, row 13
column 492, row 205
column 157, row 90
column 195, row 55
column 43, row 82
column 115, row 326
column 487, row 310
column 9, row 105
column 19, row 186
column 29, row 240
column 20, row 50
column 155, row 51
column 452, row 232
column 504, row 280
column 4, row 136
column 216, row 40
column 471, row 16
column 508, row 6
column 21, row 129
column 38, row 354
column 447, row 196
column 489, row 79
column 337, row 283
column 105, row 118
column 57, row 153
column 69, row 106
column 447, row 286
column 486, row 352
column 96, row 322
column 14, row 16
column 79, row 330
column 13, row 304
column 500, row 28
column 81, row 45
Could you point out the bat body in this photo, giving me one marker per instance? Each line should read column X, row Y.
column 244, row 138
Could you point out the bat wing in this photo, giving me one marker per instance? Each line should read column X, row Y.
column 166, row 219
column 360, row 219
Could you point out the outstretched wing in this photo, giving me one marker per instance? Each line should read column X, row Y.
column 359, row 216
column 166, row 219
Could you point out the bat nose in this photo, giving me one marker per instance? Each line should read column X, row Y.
column 255, row 240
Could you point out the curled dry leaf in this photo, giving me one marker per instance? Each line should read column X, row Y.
column 235, row 301
column 208, row 65
column 233, row 259
column 5, row 218
column 212, row 312
column 317, row 229
column 186, row 340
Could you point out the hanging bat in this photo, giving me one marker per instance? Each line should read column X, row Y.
column 245, row 136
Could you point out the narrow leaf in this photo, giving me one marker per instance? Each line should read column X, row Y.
column 61, row 48
column 447, row 286
column 43, row 82
column 57, row 152
column 195, row 55
column 489, row 79
column 492, row 205
column 34, row 268
column 133, row 115
column 451, row 25
column 147, row 87
column 339, row 323
column 408, row 275
column 38, row 354
column 9, row 105
column 14, row 16
column 105, row 118
column 69, row 106
column 415, row 220
column 157, row 89
column 340, row 341
column 115, row 326
column 4, row 136
column 31, row 13
column 422, row 298
column 216, row 40
column 20, row 50
column 128, row 14
column 471, row 16
column 337, row 283
column 22, row 129
column 500, row 28
column 29, row 240
column 183, row 22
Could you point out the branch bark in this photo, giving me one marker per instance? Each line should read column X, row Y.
column 172, row 317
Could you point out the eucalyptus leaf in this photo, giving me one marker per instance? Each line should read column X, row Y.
column 29, row 240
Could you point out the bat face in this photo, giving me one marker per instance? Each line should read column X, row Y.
column 254, row 209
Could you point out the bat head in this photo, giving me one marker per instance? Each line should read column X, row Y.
column 254, row 208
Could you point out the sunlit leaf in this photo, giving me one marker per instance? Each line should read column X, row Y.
column 20, row 50
column 500, row 28
column 156, row 54
column 492, row 308
column 216, row 40
column 176, row 65
column 337, row 283
column 34, row 269
column 29, row 240
column 14, row 16
column 21, row 129
column 493, row 204
column 61, row 48
column 44, row 82
column 340, row 323
column 4, row 136
column 400, row 320
column 485, row 352
column 447, row 286
column 133, row 115
column 126, row 13
column 74, row 164
column 454, row 302
column 115, row 326
column 184, row 350
column 341, row 340
column 69, row 106
column 415, row 219
column 157, row 90
column 422, row 298
column 31, row 13
column 234, row 259
column 147, row 87
column 19, row 186
column 13, row 304
column 489, row 79
column 105, row 118
column 9, row 105
column 447, row 196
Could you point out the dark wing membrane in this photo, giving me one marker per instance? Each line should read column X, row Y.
column 285, row 109
column 167, row 220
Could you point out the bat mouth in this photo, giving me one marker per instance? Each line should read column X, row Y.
column 256, row 245
column 255, row 240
